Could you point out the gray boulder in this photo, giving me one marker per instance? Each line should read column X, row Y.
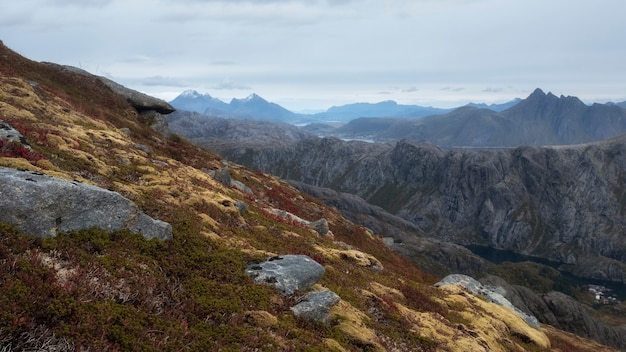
column 320, row 226
column 288, row 273
column 490, row 294
column 8, row 133
column 316, row 306
column 43, row 206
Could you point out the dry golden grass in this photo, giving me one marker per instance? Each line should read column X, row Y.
column 88, row 134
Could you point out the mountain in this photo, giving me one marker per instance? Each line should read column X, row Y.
column 214, row 133
column 540, row 119
column 496, row 107
column 191, row 100
column 257, row 108
column 253, row 107
column 388, row 108
column 246, row 262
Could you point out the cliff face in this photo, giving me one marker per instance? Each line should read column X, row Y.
column 565, row 204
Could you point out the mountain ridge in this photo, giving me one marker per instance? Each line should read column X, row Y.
column 191, row 100
column 540, row 119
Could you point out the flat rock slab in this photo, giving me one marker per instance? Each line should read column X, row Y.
column 288, row 273
column 43, row 206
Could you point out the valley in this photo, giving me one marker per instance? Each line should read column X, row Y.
column 561, row 205
column 117, row 233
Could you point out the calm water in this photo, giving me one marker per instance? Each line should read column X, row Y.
column 498, row 256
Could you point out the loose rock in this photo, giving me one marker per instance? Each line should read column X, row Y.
column 288, row 273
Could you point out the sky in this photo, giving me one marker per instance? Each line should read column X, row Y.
column 314, row 54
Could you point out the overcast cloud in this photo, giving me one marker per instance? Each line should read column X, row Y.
column 312, row 54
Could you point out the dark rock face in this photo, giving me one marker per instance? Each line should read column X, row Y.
column 434, row 256
column 288, row 273
column 43, row 206
column 140, row 101
column 566, row 204
column 316, row 306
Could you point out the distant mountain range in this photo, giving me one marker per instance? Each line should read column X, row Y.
column 255, row 107
column 540, row 119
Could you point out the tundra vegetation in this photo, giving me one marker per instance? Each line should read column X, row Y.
column 97, row 290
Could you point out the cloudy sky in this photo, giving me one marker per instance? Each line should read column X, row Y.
column 312, row 54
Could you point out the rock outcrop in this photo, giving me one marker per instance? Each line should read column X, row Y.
column 44, row 206
column 476, row 288
column 288, row 273
column 140, row 101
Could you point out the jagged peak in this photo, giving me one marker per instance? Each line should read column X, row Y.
column 253, row 97
column 194, row 94
column 537, row 92
column 250, row 98
column 190, row 93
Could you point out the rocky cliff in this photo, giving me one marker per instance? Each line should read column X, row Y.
column 565, row 204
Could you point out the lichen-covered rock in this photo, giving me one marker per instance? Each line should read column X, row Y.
column 8, row 133
column 476, row 288
column 288, row 273
column 43, row 206
column 320, row 226
column 316, row 306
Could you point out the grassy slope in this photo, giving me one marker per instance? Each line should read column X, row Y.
column 99, row 291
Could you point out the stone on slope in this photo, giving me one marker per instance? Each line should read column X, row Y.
column 44, row 206
column 476, row 288
column 316, row 306
column 288, row 273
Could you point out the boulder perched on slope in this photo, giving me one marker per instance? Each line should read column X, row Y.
column 288, row 273
column 43, row 206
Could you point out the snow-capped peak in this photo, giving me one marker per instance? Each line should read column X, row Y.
column 190, row 94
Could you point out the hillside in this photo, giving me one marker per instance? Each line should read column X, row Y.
column 100, row 289
column 565, row 204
